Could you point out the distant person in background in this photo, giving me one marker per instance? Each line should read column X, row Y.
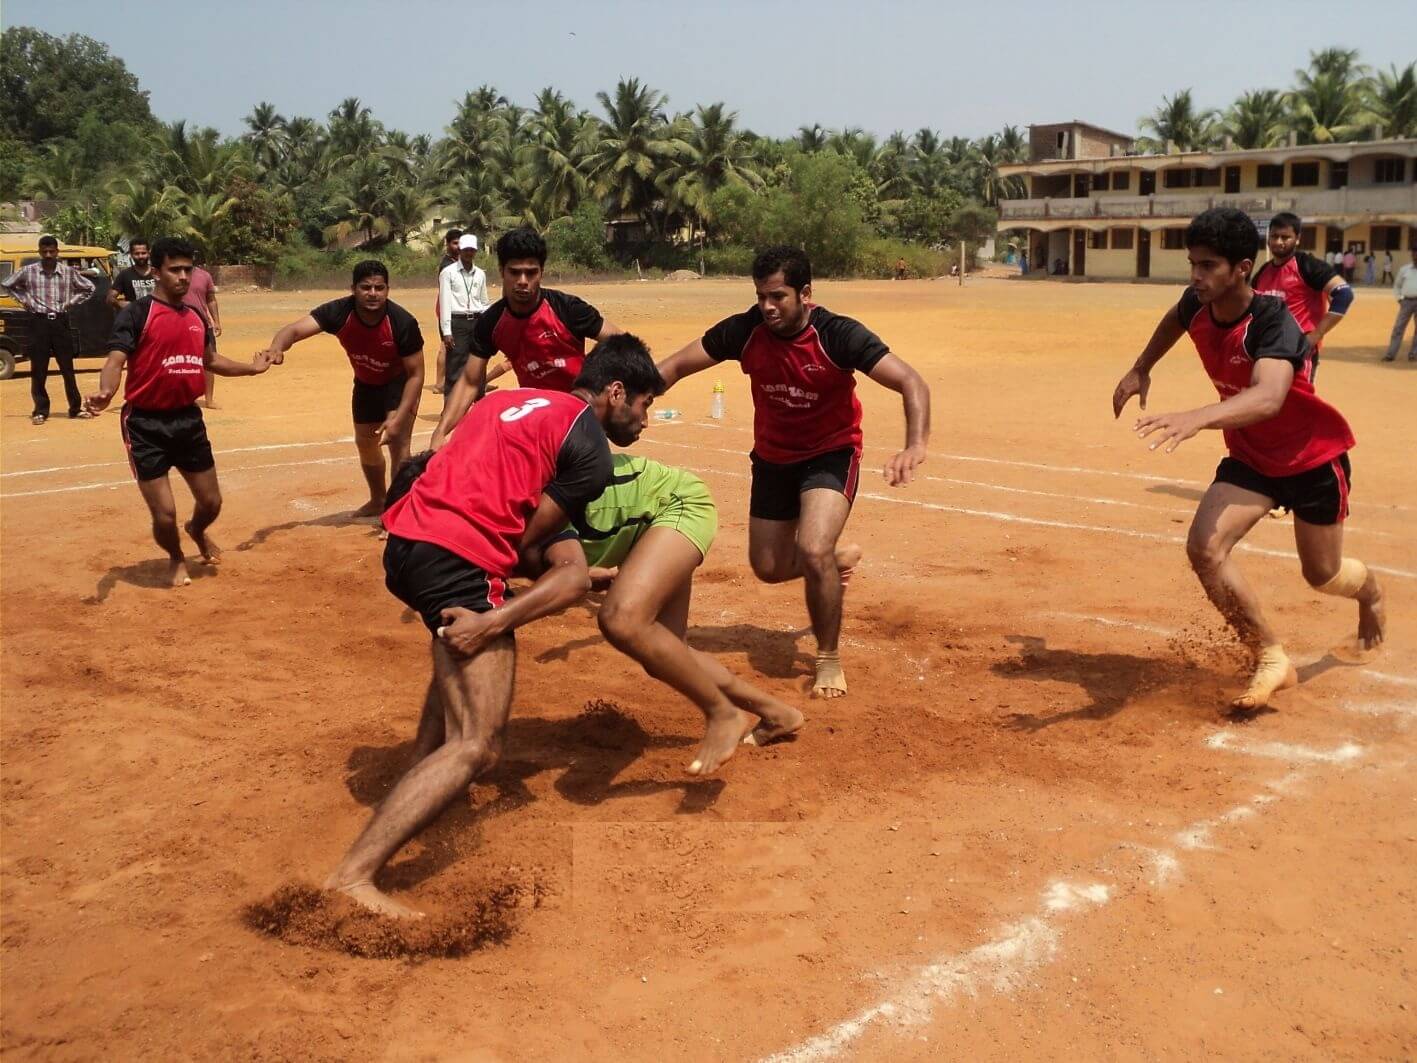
column 1060, row 268
column 1023, row 262
column 1369, row 268
column 201, row 297
column 900, row 269
column 462, row 298
column 1387, row 268
column 1350, row 262
column 137, row 280
column 49, row 289
column 450, row 255
column 1405, row 289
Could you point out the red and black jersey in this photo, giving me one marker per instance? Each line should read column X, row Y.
column 547, row 346
column 375, row 351
column 166, row 347
column 1300, row 282
column 804, row 387
column 479, row 491
column 1306, row 432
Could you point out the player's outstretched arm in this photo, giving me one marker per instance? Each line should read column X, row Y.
column 108, row 380
column 898, row 375
column 1137, row 380
column 223, row 366
column 292, row 334
column 692, row 359
column 1269, row 385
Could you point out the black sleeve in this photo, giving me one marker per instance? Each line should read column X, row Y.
column 331, row 316
column 1315, row 271
column 480, row 344
column 1188, row 307
column 1273, row 333
column 848, row 343
column 128, row 326
column 408, row 337
column 583, row 466
column 725, row 341
column 123, row 285
column 577, row 315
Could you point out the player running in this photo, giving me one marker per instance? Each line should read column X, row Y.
column 1304, row 282
column 385, row 347
column 801, row 360
column 165, row 346
column 521, row 465
column 1287, row 446
column 542, row 331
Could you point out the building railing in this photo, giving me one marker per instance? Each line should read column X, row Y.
column 1361, row 199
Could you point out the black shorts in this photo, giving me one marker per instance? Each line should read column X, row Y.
column 777, row 489
column 1317, row 496
column 158, row 440
column 429, row 579
column 371, row 403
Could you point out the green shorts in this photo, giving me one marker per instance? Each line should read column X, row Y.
column 645, row 494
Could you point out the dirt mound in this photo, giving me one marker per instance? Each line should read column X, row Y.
column 682, row 275
column 604, row 725
column 299, row 914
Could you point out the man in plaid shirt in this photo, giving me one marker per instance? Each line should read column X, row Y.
column 49, row 289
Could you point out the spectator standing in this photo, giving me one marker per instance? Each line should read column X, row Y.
column 49, row 289
column 1405, row 289
column 462, row 297
column 136, row 281
column 201, row 297
column 1387, row 268
column 1350, row 262
column 1369, row 268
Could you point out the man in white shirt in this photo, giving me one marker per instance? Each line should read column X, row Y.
column 462, row 296
column 1405, row 289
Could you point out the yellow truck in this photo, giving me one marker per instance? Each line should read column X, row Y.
column 91, row 322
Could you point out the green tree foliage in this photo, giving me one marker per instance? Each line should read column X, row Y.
column 48, row 84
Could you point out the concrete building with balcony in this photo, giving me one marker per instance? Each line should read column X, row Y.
column 1102, row 211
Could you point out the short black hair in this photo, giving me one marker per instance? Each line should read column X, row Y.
column 791, row 262
column 451, row 235
column 370, row 267
column 134, row 241
column 622, row 357
column 1229, row 231
column 171, row 247
column 48, row 241
column 1287, row 219
column 520, row 243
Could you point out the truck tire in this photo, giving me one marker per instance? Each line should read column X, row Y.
column 7, row 361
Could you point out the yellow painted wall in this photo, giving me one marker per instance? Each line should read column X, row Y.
column 1171, row 265
column 1111, row 264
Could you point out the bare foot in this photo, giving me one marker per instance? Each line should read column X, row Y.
column 378, row 902
column 847, row 558
column 371, row 509
column 831, row 680
column 720, row 740
column 788, row 722
column 1372, row 616
column 177, row 574
column 1273, row 672
column 211, row 553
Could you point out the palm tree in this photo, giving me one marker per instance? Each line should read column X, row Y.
column 60, row 173
column 718, row 156
column 361, row 204
column 555, row 154
column 930, row 165
column 267, row 135
column 1256, row 120
column 636, row 145
column 1178, row 122
column 1390, row 100
column 811, row 138
column 145, row 208
column 1341, row 63
column 353, row 129
column 855, row 142
column 890, row 169
column 407, row 208
column 201, row 217
column 989, row 155
column 480, row 201
column 1325, row 108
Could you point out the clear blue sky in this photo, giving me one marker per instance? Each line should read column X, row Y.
column 963, row 69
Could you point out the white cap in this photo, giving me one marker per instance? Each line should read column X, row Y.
column 467, row 240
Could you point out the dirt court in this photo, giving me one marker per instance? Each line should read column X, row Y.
column 1027, row 832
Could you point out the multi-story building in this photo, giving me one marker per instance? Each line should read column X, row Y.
column 1097, row 209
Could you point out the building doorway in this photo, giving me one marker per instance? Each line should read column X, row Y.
column 1232, row 180
column 1143, row 252
column 1147, row 184
column 1079, row 252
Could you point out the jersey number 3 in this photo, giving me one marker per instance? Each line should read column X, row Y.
column 516, row 413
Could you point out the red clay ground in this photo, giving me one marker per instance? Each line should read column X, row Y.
column 1020, row 835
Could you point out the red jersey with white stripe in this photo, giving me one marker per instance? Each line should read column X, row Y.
column 1306, row 432
column 546, row 347
column 375, row 351
column 166, row 347
column 804, row 386
column 478, row 492
column 1300, row 282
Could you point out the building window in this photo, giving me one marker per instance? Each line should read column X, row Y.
column 1122, row 239
column 1100, row 182
column 1097, row 241
column 1308, row 238
column 1270, row 176
column 1176, row 178
column 1390, row 171
column 1208, row 178
column 1173, row 239
column 1387, row 237
column 1304, row 174
column 1121, row 181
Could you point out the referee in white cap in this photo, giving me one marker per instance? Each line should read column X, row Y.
column 462, row 295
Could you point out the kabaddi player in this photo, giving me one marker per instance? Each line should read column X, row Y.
column 166, row 346
column 645, row 536
column 385, row 347
column 542, row 331
column 1304, row 282
column 801, row 360
column 522, row 464
column 1287, row 447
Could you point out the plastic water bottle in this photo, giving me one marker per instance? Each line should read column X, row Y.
column 666, row 415
column 716, row 406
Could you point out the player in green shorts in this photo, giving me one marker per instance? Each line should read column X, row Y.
column 645, row 536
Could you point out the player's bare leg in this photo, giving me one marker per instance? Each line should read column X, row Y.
column 371, row 461
column 163, row 509
column 1320, row 548
column 431, row 727
column 1225, row 516
column 206, row 496
column 476, row 693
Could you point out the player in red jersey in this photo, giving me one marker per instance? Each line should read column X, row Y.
column 801, row 360
column 166, row 346
column 385, row 347
column 1287, row 446
column 542, row 331
column 521, row 465
column 1305, row 282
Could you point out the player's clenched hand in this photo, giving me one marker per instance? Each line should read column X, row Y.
column 900, row 470
column 273, row 356
column 467, row 632
column 1174, row 429
column 98, row 402
column 261, row 361
column 601, row 578
column 391, row 429
column 1134, row 383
